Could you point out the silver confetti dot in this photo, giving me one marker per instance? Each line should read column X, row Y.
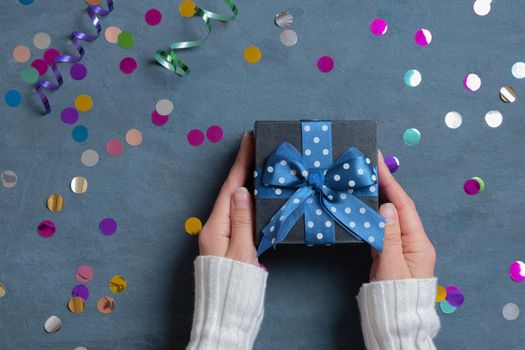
column 283, row 19
column 53, row 324
column 507, row 94
column 288, row 37
column 9, row 179
column 510, row 311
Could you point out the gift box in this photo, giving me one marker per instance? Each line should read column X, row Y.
column 316, row 183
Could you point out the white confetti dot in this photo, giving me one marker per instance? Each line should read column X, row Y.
column 324, row 127
column 351, row 183
column 319, row 235
column 310, row 224
column 278, row 191
column 346, row 166
column 482, row 7
column 317, row 164
column 296, row 201
column 319, row 212
column 371, row 239
column 337, row 177
column 366, row 224
column 351, row 224
column 269, row 169
column 472, row 82
column 326, row 151
column 41, row 41
column 360, row 171
column 362, row 210
column 89, row 158
column 164, row 107
column 281, row 180
column 493, row 119
column 307, row 128
column 453, row 120
column 328, row 223
column 316, row 139
column 348, row 210
column 518, row 70
column 511, row 311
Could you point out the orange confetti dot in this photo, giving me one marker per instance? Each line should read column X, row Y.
column 21, row 53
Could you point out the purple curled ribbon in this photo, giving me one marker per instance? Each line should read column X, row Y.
column 93, row 11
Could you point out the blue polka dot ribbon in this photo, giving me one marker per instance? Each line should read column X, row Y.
column 324, row 191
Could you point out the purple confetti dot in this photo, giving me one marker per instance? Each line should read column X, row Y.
column 158, row 119
column 128, row 65
column 80, row 291
column 455, row 296
column 195, row 137
column 214, row 133
column 471, row 187
column 69, row 115
column 78, row 71
column 392, row 163
column 378, row 26
column 108, row 226
column 325, row 64
column 46, row 228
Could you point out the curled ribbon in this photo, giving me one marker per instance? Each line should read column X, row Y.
column 170, row 60
column 76, row 36
column 331, row 191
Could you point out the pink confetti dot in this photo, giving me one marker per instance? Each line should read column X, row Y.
column 325, row 64
column 471, row 187
column 40, row 65
column 128, row 65
column 423, row 37
column 214, row 133
column 153, row 17
column 195, row 137
column 50, row 55
column 158, row 119
column 46, row 228
column 378, row 27
column 84, row 274
column 114, row 147
column 517, row 271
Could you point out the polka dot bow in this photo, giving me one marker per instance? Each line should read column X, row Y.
column 323, row 194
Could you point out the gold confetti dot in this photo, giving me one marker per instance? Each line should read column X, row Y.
column 3, row 290
column 117, row 284
column 55, row 202
column 83, row 103
column 252, row 54
column 187, row 8
column 441, row 294
column 76, row 305
column 193, row 226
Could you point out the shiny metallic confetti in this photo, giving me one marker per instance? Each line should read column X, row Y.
column 106, row 305
column 493, row 119
column 53, row 324
column 482, row 7
column 441, row 293
column 507, row 94
column 76, row 305
column 193, row 226
column 46, row 228
column 412, row 136
column 392, row 163
column 288, row 37
column 412, row 78
column 117, row 284
column 472, row 82
column 89, row 158
column 518, row 70
column 517, row 271
column 79, row 184
column 164, row 107
column 423, row 37
column 453, row 120
column 9, row 179
column 55, row 202
column 283, row 19
column 3, row 290
column 252, row 54
column 84, row 274
column 510, row 311
column 41, row 41
column 378, row 27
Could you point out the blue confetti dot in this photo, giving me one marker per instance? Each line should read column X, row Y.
column 80, row 133
column 13, row 98
column 25, row 2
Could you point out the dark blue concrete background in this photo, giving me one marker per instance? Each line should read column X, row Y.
column 152, row 189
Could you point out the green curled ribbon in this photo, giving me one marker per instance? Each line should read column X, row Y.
column 170, row 60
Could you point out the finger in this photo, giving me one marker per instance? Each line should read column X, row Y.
column 242, row 246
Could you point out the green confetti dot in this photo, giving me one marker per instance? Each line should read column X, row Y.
column 126, row 40
column 481, row 183
column 446, row 308
column 30, row 75
column 412, row 136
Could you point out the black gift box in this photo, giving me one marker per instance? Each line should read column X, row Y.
column 345, row 134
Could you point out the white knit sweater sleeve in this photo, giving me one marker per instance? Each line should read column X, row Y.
column 399, row 315
column 229, row 304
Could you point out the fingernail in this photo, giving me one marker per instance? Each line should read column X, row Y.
column 388, row 211
column 241, row 198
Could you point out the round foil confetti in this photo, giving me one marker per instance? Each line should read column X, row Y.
column 41, row 41
column 76, row 305
column 69, row 115
column 453, row 120
column 472, row 82
column 441, row 294
column 107, row 226
column 134, row 137
column 517, row 271
column 423, row 37
column 214, row 133
column 158, row 119
column 13, row 98
column 46, row 228
column 195, row 137
column 3, row 290
column 79, row 184
column 55, row 202
column 153, row 17
column 288, row 37
column 89, row 158
column 53, row 324
column 325, row 64
column 455, row 296
column 117, row 284
column 493, row 119
column 126, row 40
column 111, row 34
column 114, row 147
column 471, row 187
column 40, row 65
column 106, row 305
column 482, row 7
column 187, row 8
column 412, row 78
column 128, row 65
column 518, row 70
column 252, row 54
column 164, row 107
column 84, row 103
column 78, row 71
column 193, row 226
column 283, row 19
column 80, row 291
column 9, row 179
column 446, row 308
column 30, row 75
column 510, row 311
column 507, row 94
column 392, row 163
column 412, row 136
column 80, row 133
column 84, row 274
column 378, row 27
column 50, row 55
column 21, row 54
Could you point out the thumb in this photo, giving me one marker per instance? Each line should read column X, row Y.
column 242, row 246
column 392, row 244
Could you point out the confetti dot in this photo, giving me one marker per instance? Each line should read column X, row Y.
column 69, row 115
column 252, row 54
column 40, row 65
column 471, row 187
column 3, row 290
column 453, row 120
column 9, row 179
column 472, row 82
column 392, row 163
column 13, row 98
column 378, row 27
column 153, row 17
column 195, row 137
column 114, row 147
column 507, row 94
column 117, row 284
column 78, row 71
column 84, row 274
column 441, row 293
column 79, row 185
column 164, row 107
column 128, row 65
column 41, row 41
column 283, row 19
column 93, row 2
column 80, row 133
column 455, row 296
column 482, row 7
column 446, row 308
column 214, row 133
column 187, row 8
column 53, row 324
column 412, row 78
column 50, row 55
column 80, row 291
column 55, row 202
column 21, row 53
column 46, row 228
column 126, row 40
column 412, row 136
column 518, row 70
column 423, row 37
column 89, row 158
column 517, row 271
column 107, row 226
column 106, row 305
column 76, row 305
column 30, row 75
column 325, row 64
column 111, row 34
column 83, row 103
column 510, row 311
column 134, row 137
column 25, row 2
column 193, row 226
column 288, row 37
column 158, row 119
column 493, row 119
column 481, row 183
